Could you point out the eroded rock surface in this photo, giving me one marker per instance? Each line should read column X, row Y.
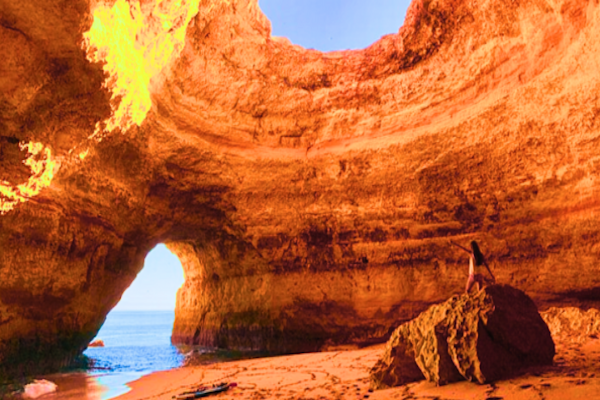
column 310, row 196
column 572, row 325
column 481, row 337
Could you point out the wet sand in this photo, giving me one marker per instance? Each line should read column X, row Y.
column 344, row 375
column 82, row 386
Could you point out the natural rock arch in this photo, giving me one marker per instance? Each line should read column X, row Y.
column 317, row 191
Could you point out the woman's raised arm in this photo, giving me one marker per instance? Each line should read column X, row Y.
column 460, row 247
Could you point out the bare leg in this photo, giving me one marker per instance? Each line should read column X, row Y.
column 480, row 282
column 470, row 283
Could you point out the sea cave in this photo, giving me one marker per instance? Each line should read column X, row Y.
column 310, row 196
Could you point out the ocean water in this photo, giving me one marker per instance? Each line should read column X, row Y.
column 135, row 342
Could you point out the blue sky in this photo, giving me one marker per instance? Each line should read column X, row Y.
column 156, row 285
column 334, row 24
column 319, row 24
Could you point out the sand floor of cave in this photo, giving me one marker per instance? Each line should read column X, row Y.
column 344, row 375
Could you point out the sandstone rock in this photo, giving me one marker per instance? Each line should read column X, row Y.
column 493, row 334
column 571, row 324
column 398, row 365
column 480, row 337
column 97, row 343
column 298, row 184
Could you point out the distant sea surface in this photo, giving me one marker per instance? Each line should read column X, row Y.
column 135, row 342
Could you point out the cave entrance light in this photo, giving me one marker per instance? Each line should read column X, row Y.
column 328, row 25
column 137, row 331
column 155, row 287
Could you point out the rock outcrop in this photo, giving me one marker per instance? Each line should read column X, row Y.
column 97, row 343
column 309, row 195
column 480, row 337
column 572, row 325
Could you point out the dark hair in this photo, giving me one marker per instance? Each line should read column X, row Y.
column 477, row 255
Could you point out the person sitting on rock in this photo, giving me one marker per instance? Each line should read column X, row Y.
column 476, row 263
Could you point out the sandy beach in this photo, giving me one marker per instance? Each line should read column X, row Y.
column 344, row 375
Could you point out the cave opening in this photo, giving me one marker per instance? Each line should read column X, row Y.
column 155, row 287
column 329, row 25
column 136, row 335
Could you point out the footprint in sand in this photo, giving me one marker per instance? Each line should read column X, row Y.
column 526, row 386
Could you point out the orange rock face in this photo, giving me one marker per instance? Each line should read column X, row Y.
column 309, row 196
column 97, row 343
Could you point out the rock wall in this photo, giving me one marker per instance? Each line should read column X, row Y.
column 310, row 196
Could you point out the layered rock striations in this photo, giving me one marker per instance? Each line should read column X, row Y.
column 310, row 196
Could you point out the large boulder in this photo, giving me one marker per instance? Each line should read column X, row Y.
column 481, row 337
